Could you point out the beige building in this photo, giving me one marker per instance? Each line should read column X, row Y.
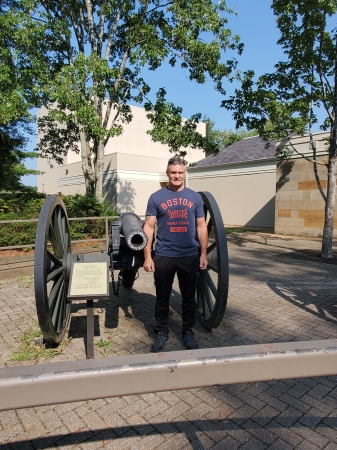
column 249, row 187
column 134, row 167
column 252, row 190
column 242, row 179
column 299, row 208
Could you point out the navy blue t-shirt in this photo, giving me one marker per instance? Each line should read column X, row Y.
column 176, row 214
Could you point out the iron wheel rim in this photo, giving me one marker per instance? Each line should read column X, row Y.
column 212, row 283
column 52, row 246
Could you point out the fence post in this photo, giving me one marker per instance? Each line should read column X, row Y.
column 106, row 234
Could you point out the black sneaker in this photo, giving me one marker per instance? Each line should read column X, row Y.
column 189, row 341
column 159, row 342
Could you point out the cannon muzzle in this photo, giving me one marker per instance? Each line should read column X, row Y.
column 131, row 229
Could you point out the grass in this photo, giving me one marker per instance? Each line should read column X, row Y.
column 25, row 282
column 31, row 351
column 105, row 345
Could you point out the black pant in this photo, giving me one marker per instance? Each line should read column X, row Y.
column 165, row 269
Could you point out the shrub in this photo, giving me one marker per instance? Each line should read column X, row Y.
column 27, row 205
column 86, row 206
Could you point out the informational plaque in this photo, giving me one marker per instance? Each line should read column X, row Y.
column 89, row 280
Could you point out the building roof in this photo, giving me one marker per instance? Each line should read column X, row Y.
column 248, row 149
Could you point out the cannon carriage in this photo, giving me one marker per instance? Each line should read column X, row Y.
column 54, row 262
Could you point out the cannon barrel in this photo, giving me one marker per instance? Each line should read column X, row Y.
column 131, row 229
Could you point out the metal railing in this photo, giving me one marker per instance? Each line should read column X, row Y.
column 43, row 384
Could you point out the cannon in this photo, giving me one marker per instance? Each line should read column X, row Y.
column 54, row 261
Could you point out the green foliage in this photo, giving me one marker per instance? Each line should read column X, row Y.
column 21, row 205
column 29, row 350
column 17, row 88
column 288, row 101
column 25, row 282
column 170, row 128
column 18, row 206
column 105, row 345
column 87, row 59
column 12, row 143
column 86, row 206
column 218, row 139
column 27, row 205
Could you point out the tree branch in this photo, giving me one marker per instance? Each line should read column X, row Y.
column 302, row 154
column 111, row 35
column 91, row 25
column 78, row 28
column 322, row 77
column 101, row 28
column 159, row 7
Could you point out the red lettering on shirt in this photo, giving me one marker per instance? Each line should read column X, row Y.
column 177, row 214
column 176, row 202
column 178, row 229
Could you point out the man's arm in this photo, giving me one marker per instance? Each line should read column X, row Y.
column 148, row 228
column 203, row 241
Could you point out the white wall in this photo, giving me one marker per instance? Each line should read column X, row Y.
column 134, row 167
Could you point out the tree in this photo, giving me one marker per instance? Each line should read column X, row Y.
column 12, row 143
column 98, row 50
column 291, row 97
column 16, row 94
column 217, row 139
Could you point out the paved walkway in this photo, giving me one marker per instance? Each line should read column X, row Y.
column 279, row 292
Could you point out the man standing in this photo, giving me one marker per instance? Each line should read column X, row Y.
column 180, row 218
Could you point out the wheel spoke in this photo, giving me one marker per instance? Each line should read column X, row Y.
column 209, row 226
column 54, row 293
column 58, row 305
column 207, row 293
column 205, row 309
column 199, row 297
column 54, row 237
column 54, row 273
column 67, row 240
column 210, row 283
column 211, row 247
column 60, row 319
column 212, row 267
column 61, row 224
column 53, row 258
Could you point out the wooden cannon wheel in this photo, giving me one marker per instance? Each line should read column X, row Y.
column 52, row 250
column 212, row 284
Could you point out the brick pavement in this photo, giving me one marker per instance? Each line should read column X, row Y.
column 275, row 296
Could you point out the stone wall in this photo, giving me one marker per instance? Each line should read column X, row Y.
column 299, row 206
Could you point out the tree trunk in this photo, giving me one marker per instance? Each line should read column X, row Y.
column 99, row 171
column 329, row 216
column 87, row 165
column 329, row 209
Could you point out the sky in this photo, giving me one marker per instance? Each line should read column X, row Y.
column 255, row 24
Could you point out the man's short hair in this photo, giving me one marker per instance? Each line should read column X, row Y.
column 176, row 160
